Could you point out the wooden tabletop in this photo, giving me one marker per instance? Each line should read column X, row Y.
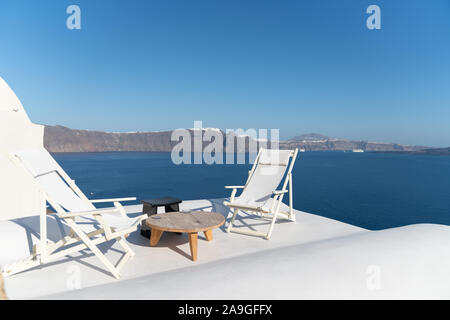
column 189, row 221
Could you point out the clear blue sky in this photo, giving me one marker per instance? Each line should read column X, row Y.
column 300, row 66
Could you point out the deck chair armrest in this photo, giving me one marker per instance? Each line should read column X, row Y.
column 88, row 213
column 113, row 200
column 277, row 192
column 234, row 191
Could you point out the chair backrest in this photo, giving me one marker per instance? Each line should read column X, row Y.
column 53, row 181
column 266, row 175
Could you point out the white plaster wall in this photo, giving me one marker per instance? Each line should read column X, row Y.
column 18, row 196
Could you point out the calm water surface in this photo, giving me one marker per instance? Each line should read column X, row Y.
column 370, row 190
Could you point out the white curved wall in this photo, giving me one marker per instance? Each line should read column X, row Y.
column 18, row 196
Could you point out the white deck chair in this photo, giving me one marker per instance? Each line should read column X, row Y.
column 260, row 194
column 88, row 225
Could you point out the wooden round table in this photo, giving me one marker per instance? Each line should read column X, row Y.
column 190, row 222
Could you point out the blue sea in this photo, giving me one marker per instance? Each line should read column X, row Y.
column 370, row 190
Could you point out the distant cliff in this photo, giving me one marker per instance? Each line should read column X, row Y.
column 318, row 142
column 435, row 151
column 431, row 152
column 62, row 139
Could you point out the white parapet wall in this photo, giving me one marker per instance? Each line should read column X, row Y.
column 18, row 196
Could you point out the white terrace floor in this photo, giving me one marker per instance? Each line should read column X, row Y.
column 314, row 257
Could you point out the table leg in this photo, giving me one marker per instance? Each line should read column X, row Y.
column 172, row 208
column 208, row 235
column 155, row 236
column 193, row 243
column 148, row 210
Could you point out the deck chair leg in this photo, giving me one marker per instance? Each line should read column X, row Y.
column 123, row 242
column 291, row 202
column 83, row 237
column 269, row 234
column 230, row 225
column 18, row 267
column 128, row 253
